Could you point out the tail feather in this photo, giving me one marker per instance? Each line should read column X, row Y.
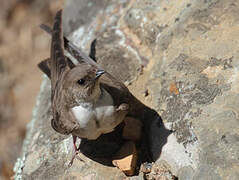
column 44, row 66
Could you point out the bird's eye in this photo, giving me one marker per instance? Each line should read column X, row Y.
column 81, row 81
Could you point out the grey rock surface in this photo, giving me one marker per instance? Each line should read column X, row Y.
column 184, row 54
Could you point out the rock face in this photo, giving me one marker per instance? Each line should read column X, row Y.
column 178, row 57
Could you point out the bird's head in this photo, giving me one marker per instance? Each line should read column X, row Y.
column 81, row 83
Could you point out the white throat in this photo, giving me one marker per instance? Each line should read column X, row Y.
column 96, row 118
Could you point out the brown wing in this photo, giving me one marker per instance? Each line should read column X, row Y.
column 58, row 62
column 58, row 67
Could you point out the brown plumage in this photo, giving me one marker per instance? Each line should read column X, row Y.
column 78, row 107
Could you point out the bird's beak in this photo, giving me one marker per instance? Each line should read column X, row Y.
column 99, row 73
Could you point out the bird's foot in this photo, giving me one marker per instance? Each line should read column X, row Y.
column 75, row 152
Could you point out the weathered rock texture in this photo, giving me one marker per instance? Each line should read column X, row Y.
column 178, row 57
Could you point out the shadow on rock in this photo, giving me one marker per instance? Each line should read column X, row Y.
column 154, row 136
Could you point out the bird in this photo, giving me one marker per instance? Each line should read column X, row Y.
column 86, row 100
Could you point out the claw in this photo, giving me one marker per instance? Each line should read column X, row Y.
column 123, row 107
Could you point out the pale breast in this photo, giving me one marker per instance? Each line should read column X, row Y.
column 83, row 115
column 98, row 118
